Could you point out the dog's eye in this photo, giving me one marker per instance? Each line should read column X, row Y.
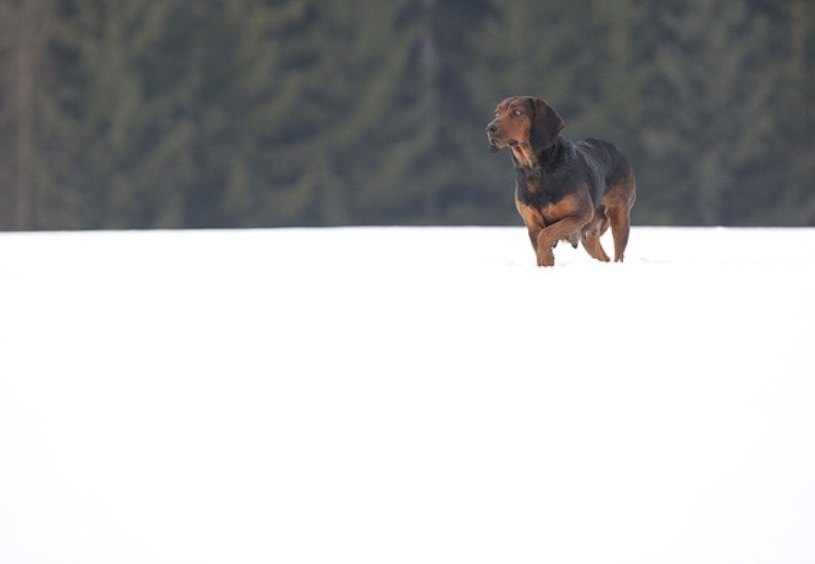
column 517, row 113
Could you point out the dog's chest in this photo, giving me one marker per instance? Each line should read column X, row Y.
column 535, row 189
column 539, row 197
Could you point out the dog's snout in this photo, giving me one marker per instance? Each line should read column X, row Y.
column 492, row 128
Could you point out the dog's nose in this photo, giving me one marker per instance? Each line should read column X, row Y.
column 492, row 128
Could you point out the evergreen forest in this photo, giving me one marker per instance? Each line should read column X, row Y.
column 143, row 114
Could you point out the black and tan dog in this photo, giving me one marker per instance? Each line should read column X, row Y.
column 564, row 190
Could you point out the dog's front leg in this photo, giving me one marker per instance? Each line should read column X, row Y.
column 544, row 251
column 533, row 236
column 533, row 219
column 551, row 234
column 562, row 220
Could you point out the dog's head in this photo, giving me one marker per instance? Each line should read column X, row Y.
column 524, row 121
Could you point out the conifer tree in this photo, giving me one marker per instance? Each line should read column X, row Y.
column 114, row 150
column 715, row 78
column 426, row 174
column 334, row 134
column 252, row 59
column 796, row 205
column 7, row 145
column 24, row 29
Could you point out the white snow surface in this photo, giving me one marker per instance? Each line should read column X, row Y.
column 406, row 395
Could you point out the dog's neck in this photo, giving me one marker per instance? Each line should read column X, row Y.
column 526, row 157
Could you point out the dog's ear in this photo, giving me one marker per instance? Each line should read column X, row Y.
column 546, row 125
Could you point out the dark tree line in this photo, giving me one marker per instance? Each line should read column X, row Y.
column 242, row 113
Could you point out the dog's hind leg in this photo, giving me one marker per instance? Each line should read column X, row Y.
column 618, row 201
column 620, row 229
column 618, row 212
column 591, row 236
column 592, row 245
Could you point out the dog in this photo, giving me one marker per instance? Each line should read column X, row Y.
column 564, row 190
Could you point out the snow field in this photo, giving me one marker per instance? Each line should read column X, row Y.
column 406, row 394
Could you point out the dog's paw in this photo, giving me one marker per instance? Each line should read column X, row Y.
column 546, row 257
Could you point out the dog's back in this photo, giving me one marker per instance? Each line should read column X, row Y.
column 605, row 166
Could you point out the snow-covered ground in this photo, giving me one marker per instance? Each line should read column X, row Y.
column 392, row 395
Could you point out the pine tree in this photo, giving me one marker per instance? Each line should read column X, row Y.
column 25, row 29
column 248, row 68
column 115, row 154
column 425, row 174
column 335, row 134
column 267, row 58
column 714, row 78
column 7, row 119
column 797, row 203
